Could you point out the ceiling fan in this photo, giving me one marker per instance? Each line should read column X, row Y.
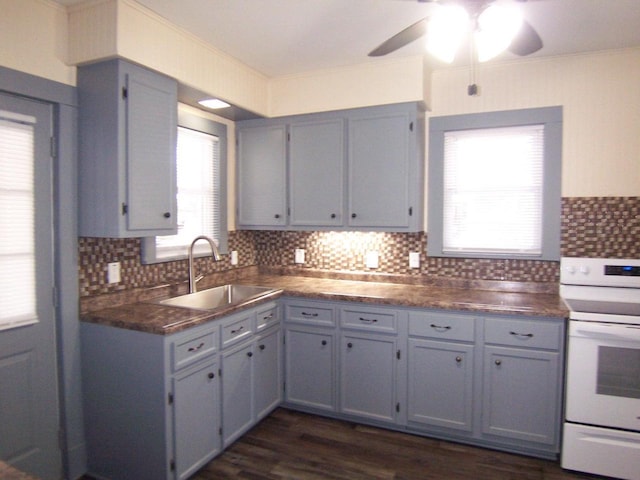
column 455, row 18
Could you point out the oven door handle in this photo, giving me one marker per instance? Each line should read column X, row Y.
column 629, row 333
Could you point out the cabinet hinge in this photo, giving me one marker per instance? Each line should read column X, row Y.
column 288, row 137
column 398, row 354
column 398, row 407
column 410, row 211
column 219, row 372
column 54, row 293
column 172, row 465
column 220, row 431
column 52, row 147
column 411, row 126
column 125, row 209
column 61, row 439
column 170, row 399
column 125, row 92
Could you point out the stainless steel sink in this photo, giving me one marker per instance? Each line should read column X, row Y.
column 218, row 297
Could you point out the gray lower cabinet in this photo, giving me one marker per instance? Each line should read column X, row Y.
column 441, row 371
column 151, row 402
column 522, row 381
column 127, row 151
column 251, row 369
column 196, row 415
column 310, row 355
column 368, row 376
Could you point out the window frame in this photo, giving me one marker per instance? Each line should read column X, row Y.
column 204, row 125
column 551, row 119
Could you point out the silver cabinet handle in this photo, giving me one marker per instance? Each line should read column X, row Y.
column 195, row 349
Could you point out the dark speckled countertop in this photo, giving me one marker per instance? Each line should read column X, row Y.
column 153, row 318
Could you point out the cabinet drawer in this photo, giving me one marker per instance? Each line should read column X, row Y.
column 523, row 333
column 442, row 326
column 267, row 316
column 311, row 313
column 236, row 329
column 369, row 319
column 191, row 349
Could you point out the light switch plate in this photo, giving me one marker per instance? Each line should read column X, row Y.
column 372, row 259
column 234, row 257
column 113, row 272
column 414, row 259
column 299, row 256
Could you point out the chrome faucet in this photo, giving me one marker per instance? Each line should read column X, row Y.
column 215, row 254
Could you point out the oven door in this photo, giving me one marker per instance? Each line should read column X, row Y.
column 603, row 375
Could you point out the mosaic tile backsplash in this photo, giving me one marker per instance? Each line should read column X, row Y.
column 591, row 227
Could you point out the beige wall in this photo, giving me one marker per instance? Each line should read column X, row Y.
column 600, row 92
column 33, row 39
column 600, row 95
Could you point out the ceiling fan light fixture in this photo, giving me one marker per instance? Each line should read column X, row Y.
column 497, row 27
column 445, row 31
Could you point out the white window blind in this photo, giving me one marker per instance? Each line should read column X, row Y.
column 199, row 193
column 17, row 253
column 493, row 190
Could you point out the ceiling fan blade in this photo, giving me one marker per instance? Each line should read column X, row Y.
column 526, row 41
column 400, row 39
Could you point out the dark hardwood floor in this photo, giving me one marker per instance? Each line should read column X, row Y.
column 293, row 445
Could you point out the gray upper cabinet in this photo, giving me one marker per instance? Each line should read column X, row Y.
column 316, row 173
column 127, row 151
column 262, row 201
column 383, row 171
column 360, row 169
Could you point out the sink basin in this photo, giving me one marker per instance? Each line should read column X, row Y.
column 218, row 297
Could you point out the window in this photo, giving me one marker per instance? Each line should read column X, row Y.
column 17, row 204
column 494, row 184
column 201, row 194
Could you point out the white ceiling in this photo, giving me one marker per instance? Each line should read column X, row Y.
column 280, row 37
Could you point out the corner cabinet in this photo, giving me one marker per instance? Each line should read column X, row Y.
column 127, row 151
column 262, row 176
column 360, row 169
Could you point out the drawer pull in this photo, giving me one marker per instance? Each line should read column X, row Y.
column 305, row 314
column 195, row 349
column 324, row 343
column 368, row 320
column 458, row 359
column 237, row 330
column 249, row 354
column 211, row 375
column 521, row 335
column 261, row 347
column 498, row 362
column 349, row 345
column 440, row 328
column 268, row 317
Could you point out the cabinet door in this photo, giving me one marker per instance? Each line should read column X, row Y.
column 237, row 395
column 378, row 184
column 316, row 173
column 310, row 368
column 520, row 398
column 151, row 112
column 262, row 176
column 368, row 376
column 441, row 384
column 267, row 372
column 196, row 418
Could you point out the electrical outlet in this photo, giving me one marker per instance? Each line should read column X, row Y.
column 372, row 259
column 113, row 272
column 234, row 257
column 414, row 259
column 299, row 255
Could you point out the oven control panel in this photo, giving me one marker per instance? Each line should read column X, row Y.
column 604, row 272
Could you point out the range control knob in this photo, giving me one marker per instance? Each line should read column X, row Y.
column 584, row 270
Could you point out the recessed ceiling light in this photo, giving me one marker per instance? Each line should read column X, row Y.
column 214, row 103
